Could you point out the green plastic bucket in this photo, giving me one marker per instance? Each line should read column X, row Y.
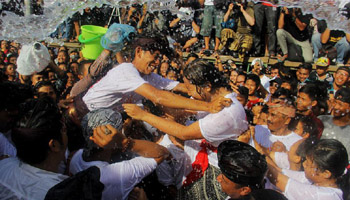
column 90, row 38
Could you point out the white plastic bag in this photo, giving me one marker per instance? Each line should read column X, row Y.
column 32, row 59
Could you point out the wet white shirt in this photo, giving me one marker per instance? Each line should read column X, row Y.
column 227, row 124
column 118, row 87
column 19, row 180
column 118, row 178
column 299, row 187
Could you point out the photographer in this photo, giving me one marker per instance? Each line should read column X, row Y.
column 292, row 30
column 243, row 16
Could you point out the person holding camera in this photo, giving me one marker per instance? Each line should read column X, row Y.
column 293, row 31
column 243, row 15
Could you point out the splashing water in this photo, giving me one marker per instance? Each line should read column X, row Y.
column 38, row 27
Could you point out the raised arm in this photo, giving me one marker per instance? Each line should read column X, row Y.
column 118, row 140
column 281, row 18
column 250, row 19
column 172, row 100
column 172, row 128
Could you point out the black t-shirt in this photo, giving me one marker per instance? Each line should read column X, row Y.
column 292, row 28
column 335, row 36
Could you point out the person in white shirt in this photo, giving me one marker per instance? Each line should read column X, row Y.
column 41, row 142
column 121, row 177
column 130, row 82
column 203, row 136
column 325, row 176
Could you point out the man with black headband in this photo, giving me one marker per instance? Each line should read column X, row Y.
column 337, row 125
column 243, row 170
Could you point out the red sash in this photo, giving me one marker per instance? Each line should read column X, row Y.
column 200, row 164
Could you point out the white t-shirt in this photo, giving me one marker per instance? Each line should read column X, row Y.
column 118, row 87
column 264, row 137
column 171, row 172
column 118, row 178
column 227, row 124
column 299, row 187
column 19, row 180
column 282, row 160
column 265, row 82
column 6, row 147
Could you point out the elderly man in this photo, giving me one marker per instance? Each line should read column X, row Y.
column 276, row 134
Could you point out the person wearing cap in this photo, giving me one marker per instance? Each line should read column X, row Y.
column 274, row 85
column 121, row 177
column 257, row 68
column 242, row 172
column 321, row 73
column 337, row 125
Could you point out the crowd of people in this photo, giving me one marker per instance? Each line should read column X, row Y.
column 147, row 122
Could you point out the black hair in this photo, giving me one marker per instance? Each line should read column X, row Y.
column 149, row 41
column 317, row 91
column 41, row 84
column 81, row 69
column 303, row 148
column 201, row 73
column 309, row 125
column 243, row 91
column 254, row 78
column 292, row 81
column 284, row 92
column 331, row 155
column 40, row 122
column 13, row 94
column 306, row 66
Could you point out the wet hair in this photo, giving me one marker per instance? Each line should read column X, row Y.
column 177, row 71
column 292, row 81
column 309, row 125
column 243, row 91
column 39, row 123
column 317, row 91
column 201, row 73
column 242, row 164
column 283, row 92
column 13, row 94
column 303, row 148
column 149, row 42
column 306, row 66
column 331, row 155
column 41, row 84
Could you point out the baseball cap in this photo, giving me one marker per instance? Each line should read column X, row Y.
column 323, row 62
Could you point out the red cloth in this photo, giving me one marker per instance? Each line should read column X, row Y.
column 319, row 124
column 250, row 103
column 200, row 164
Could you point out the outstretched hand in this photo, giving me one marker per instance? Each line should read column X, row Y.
column 218, row 104
column 106, row 136
column 134, row 111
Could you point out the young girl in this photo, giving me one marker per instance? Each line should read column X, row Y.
column 325, row 176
